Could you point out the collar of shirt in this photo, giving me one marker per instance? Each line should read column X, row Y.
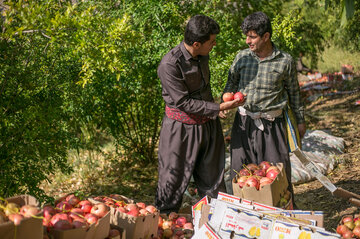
column 274, row 53
column 186, row 54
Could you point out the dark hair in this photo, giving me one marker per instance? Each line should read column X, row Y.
column 258, row 22
column 199, row 29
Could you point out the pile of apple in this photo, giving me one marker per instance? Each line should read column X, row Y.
column 349, row 227
column 253, row 175
column 174, row 226
column 71, row 212
column 122, row 205
column 13, row 212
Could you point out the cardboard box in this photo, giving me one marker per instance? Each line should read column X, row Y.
column 141, row 227
column 230, row 220
column 28, row 228
column 269, row 194
column 122, row 232
column 100, row 230
column 206, row 232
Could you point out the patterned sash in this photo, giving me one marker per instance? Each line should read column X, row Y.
column 185, row 118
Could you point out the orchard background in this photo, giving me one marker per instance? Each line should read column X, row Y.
column 80, row 101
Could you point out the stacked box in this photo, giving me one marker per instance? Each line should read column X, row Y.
column 28, row 228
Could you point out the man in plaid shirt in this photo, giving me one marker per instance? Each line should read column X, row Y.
column 268, row 78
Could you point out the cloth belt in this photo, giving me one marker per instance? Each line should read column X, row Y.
column 183, row 117
column 269, row 115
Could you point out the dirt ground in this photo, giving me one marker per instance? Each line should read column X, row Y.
column 339, row 114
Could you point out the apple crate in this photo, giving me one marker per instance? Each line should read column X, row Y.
column 28, row 228
column 349, row 226
column 269, row 194
column 140, row 227
column 99, row 230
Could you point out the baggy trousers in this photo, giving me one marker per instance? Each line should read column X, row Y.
column 186, row 150
column 251, row 145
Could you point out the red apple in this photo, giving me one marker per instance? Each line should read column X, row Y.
column 167, row 224
column 63, row 225
column 131, row 206
column 173, row 215
column 264, row 165
column 181, row 221
column 16, row 218
column 72, row 200
column 260, row 172
column 242, row 179
column 76, row 213
column 272, row 168
column 347, row 219
column 29, row 210
column 85, row 205
column 264, row 181
column 252, row 167
column 341, row 229
column 80, row 223
column 244, row 172
column 121, row 209
column 63, row 206
column 347, row 234
column 151, row 208
column 141, row 205
column 188, row 225
column 143, row 212
column 272, row 174
column 48, row 211
column 100, row 210
column 160, row 223
column 252, row 182
column 133, row 212
column 240, row 96
column 91, row 218
column 60, row 216
column 228, row 96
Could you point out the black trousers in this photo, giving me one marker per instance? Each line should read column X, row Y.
column 185, row 151
column 251, row 145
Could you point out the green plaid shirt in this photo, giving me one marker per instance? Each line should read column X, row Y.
column 269, row 83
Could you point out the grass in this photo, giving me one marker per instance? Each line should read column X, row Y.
column 333, row 58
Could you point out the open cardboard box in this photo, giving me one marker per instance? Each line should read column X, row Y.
column 100, row 230
column 141, row 227
column 28, row 228
column 268, row 194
